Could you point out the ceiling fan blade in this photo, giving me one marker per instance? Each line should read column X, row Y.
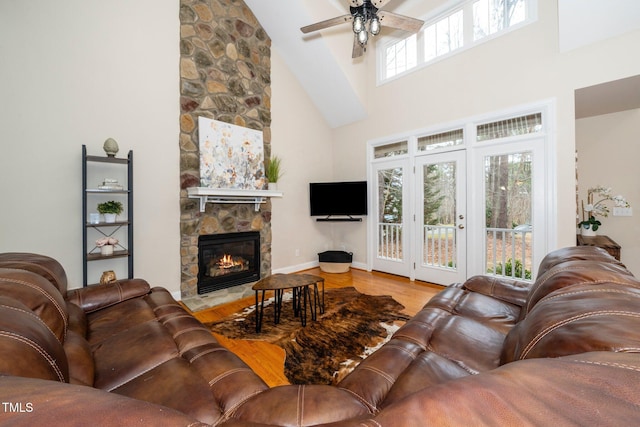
column 326, row 24
column 379, row 3
column 358, row 49
column 400, row 22
column 356, row 3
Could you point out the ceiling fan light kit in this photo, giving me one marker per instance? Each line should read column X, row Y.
column 367, row 19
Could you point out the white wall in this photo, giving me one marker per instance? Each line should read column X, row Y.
column 302, row 138
column 583, row 22
column 608, row 150
column 77, row 72
column 521, row 68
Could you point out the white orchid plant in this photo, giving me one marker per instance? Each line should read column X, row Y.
column 599, row 208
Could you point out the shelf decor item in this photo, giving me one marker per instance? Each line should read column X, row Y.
column 110, row 147
column 590, row 224
column 108, row 277
column 106, row 245
column 274, row 172
column 110, row 210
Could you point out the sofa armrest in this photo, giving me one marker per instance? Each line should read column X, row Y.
column 96, row 297
column 511, row 291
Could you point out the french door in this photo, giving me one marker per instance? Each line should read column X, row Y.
column 440, row 219
column 473, row 199
column 391, row 252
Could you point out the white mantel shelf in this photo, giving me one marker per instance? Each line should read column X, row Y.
column 230, row 195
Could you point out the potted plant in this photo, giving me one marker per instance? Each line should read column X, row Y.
column 110, row 210
column 590, row 225
column 274, row 171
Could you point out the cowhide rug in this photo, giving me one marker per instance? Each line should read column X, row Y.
column 352, row 327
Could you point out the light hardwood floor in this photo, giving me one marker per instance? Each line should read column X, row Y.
column 267, row 360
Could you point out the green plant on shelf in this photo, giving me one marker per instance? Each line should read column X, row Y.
column 110, row 207
column 274, row 169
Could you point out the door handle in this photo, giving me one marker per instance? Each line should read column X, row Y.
column 461, row 216
column 460, row 226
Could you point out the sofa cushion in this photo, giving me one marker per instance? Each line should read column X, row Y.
column 42, row 265
column 576, row 253
column 573, row 272
column 28, row 348
column 512, row 291
column 591, row 389
column 48, row 403
column 80, row 359
column 39, row 295
column 578, row 319
column 113, row 320
column 452, row 322
column 301, row 406
column 175, row 384
column 124, row 356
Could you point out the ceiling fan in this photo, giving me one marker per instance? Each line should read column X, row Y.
column 367, row 19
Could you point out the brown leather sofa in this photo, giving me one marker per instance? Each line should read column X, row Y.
column 561, row 351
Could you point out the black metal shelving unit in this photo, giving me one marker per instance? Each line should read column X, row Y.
column 103, row 228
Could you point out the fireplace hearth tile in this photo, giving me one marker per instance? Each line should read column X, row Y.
column 215, row 298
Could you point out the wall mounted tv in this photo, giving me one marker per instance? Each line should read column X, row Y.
column 341, row 199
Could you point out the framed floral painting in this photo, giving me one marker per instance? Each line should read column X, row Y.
column 230, row 156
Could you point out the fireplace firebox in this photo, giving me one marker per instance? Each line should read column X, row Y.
column 227, row 260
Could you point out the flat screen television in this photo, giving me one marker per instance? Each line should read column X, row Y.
column 338, row 198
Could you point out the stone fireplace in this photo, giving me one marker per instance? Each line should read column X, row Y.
column 225, row 75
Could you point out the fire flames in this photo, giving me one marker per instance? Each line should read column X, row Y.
column 227, row 264
column 227, row 261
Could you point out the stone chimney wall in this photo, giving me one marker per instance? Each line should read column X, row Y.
column 225, row 74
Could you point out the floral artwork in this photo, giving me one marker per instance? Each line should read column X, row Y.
column 230, row 156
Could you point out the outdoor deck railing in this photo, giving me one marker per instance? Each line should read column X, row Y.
column 390, row 241
column 508, row 250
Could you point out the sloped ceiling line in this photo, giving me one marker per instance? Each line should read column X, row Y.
column 310, row 60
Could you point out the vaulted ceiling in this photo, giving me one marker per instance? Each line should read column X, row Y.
column 335, row 82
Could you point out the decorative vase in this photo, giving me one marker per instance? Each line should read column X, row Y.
column 107, row 277
column 110, row 147
column 272, row 186
column 106, row 250
column 110, row 218
column 588, row 232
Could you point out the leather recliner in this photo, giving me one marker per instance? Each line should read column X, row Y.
column 562, row 350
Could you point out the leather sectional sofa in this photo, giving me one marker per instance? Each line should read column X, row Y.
column 560, row 351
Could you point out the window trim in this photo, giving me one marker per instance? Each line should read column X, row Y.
column 437, row 14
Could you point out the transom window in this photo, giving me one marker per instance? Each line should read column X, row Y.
column 462, row 25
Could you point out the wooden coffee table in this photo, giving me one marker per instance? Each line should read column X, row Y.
column 300, row 285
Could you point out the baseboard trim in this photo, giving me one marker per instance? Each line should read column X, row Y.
column 313, row 264
column 296, row 268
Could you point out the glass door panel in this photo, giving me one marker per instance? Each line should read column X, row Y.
column 508, row 213
column 441, row 218
column 390, row 254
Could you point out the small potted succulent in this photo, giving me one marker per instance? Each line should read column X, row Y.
column 110, row 210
